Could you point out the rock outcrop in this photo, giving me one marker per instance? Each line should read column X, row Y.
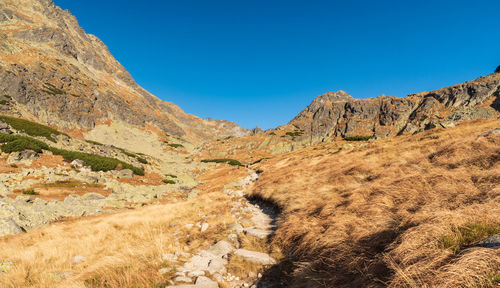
column 53, row 72
column 337, row 114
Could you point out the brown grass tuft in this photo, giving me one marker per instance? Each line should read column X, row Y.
column 398, row 212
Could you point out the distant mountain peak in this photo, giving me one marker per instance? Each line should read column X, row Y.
column 337, row 114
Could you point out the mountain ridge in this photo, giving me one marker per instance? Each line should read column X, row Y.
column 63, row 77
column 337, row 114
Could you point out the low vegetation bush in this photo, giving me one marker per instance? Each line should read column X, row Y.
column 497, row 70
column 175, row 145
column 357, row 138
column 168, row 181
column 4, row 102
column 31, row 128
column 294, row 134
column 142, row 160
column 94, row 142
column 133, row 155
column 227, row 161
column 260, row 160
column 96, row 162
column 15, row 143
column 30, row 192
column 468, row 234
column 52, row 90
column 170, row 175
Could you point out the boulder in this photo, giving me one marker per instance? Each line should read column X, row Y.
column 221, row 249
column 4, row 128
column 8, row 227
column 77, row 164
column 256, row 257
column 204, row 227
column 5, row 267
column 234, row 239
column 125, row 173
column 492, row 242
column 257, row 233
column 22, row 157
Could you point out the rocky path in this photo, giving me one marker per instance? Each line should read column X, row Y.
column 212, row 262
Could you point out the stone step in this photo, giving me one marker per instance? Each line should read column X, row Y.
column 256, row 257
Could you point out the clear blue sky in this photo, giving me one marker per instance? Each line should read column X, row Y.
column 260, row 62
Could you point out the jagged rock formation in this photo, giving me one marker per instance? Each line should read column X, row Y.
column 52, row 71
column 337, row 114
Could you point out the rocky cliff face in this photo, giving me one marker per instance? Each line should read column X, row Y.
column 55, row 73
column 337, row 114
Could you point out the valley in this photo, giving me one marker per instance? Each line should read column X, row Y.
column 102, row 184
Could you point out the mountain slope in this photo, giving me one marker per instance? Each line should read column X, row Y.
column 407, row 211
column 337, row 114
column 53, row 72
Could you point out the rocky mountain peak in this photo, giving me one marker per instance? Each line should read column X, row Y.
column 337, row 114
column 59, row 75
column 334, row 96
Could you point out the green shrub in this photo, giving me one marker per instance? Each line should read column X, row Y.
column 467, row 234
column 272, row 133
column 357, row 138
column 170, row 175
column 168, row 181
column 15, row 143
column 175, row 145
column 31, row 128
column 30, row 192
column 260, row 160
column 295, row 133
column 94, row 142
column 96, row 162
column 140, row 159
column 423, row 118
column 497, row 70
column 227, row 161
column 493, row 278
column 52, row 90
column 4, row 102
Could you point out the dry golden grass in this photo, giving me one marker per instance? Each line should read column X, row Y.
column 122, row 250
column 377, row 215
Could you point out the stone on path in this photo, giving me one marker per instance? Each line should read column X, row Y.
column 183, row 279
column 256, row 257
column 257, row 233
column 221, row 248
column 204, row 282
column 201, row 282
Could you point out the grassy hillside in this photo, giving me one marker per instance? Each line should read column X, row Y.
column 399, row 212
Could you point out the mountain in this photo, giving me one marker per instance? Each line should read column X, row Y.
column 337, row 114
column 54, row 73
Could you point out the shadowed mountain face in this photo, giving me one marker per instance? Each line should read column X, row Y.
column 54, row 72
column 337, row 114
